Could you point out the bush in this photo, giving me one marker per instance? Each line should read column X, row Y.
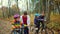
column 54, row 25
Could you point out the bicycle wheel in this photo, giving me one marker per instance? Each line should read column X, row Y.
column 43, row 31
column 12, row 31
column 36, row 31
column 49, row 31
column 15, row 32
column 22, row 30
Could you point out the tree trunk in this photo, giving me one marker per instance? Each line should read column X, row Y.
column 48, row 12
column 17, row 6
column 58, row 7
column 9, row 3
column 2, row 8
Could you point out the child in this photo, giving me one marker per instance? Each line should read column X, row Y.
column 36, row 22
column 16, row 23
column 26, row 21
column 42, row 19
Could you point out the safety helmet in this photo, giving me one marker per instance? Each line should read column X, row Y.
column 16, row 16
column 37, row 14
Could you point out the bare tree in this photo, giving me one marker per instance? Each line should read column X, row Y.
column 48, row 12
column 17, row 6
column 2, row 8
column 9, row 3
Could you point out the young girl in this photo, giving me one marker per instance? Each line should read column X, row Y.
column 16, row 23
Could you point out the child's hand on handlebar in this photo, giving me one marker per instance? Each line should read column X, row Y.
column 17, row 26
column 25, row 25
column 13, row 27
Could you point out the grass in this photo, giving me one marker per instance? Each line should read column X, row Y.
column 54, row 22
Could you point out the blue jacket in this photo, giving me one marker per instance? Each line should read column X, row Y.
column 37, row 20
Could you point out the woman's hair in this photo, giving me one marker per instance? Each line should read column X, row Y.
column 25, row 13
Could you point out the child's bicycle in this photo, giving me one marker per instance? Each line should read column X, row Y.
column 35, row 30
column 46, row 30
column 17, row 30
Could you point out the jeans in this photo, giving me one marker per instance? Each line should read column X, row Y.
column 26, row 30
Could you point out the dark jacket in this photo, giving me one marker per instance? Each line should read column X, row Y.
column 38, row 20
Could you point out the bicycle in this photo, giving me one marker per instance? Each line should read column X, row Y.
column 46, row 30
column 20, row 28
column 17, row 30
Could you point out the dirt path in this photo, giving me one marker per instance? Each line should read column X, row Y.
column 5, row 27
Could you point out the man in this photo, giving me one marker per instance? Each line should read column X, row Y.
column 25, row 19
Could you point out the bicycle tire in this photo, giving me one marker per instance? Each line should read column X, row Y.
column 47, row 31
column 51, row 31
column 12, row 32
column 35, row 32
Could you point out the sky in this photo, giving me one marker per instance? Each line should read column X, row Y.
column 21, row 3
